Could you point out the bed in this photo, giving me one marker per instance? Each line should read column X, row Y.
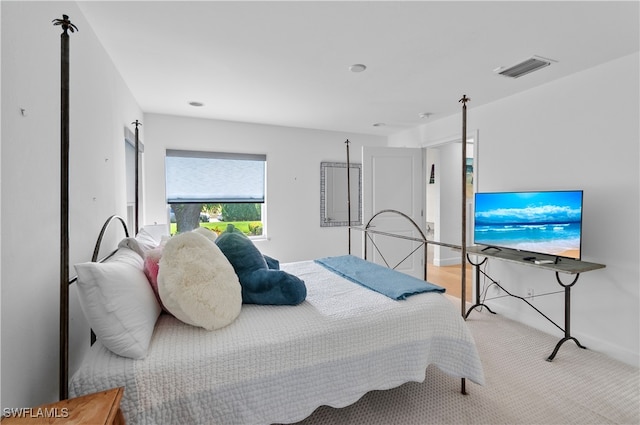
column 271, row 363
column 277, row 364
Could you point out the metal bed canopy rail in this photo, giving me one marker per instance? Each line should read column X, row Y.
column 422, row 240
column 96, row 249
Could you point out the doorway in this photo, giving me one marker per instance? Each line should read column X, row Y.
column 442, row 206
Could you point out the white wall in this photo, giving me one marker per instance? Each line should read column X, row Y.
column 101, row 106
column 580, row 132
column 449, row 204
column 293, row 176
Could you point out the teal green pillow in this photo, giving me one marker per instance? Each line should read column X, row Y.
column 260, row 283
column 272, row 263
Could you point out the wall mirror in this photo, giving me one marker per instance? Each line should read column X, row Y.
column 333, row 194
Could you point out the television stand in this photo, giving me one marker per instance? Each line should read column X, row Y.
column 551, row 263
column 486, row 248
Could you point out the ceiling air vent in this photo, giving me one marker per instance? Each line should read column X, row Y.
column 528, row 65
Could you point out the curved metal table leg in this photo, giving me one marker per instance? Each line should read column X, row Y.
column 567, row 317
column 478, row 303
column 562, row 341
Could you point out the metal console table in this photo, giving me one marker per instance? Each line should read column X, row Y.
column 564, row 265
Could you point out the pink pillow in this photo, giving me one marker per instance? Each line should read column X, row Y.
column 151, row 267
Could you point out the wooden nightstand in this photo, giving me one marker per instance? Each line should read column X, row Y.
column 98, row 408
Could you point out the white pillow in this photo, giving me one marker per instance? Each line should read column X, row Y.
column 196, row 282
column 147, row 239
column 118, row 302
column 156, row 231
column 133, row 245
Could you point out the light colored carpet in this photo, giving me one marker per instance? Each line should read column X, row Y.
column 578, row 387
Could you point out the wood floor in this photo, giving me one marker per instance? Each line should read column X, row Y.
column 449, row 278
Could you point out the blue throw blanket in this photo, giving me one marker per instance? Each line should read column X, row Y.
column 381, row 279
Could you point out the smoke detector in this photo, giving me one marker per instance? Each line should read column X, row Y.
column 531, row 64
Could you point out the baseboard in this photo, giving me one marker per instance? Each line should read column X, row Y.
column 452, row 261
column 614, row 351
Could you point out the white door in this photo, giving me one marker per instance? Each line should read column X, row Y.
column 393, row 179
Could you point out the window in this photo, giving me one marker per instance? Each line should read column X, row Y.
column 213, row 189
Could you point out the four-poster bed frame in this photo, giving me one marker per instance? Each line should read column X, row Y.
column 459, row 361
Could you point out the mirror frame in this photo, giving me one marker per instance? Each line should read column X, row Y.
column 356, row 212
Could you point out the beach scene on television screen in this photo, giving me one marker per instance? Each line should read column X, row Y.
column 541, row 222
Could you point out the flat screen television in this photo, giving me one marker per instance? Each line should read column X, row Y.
column 547, row 222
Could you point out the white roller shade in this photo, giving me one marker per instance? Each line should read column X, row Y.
column 214, row 177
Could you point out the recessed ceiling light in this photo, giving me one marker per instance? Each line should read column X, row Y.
column 425, row 114
column 358, row 67
column 379, row 124
column 196, row 104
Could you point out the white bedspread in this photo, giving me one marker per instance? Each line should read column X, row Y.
column 279, row 363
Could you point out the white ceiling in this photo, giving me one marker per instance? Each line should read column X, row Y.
column 286, row 63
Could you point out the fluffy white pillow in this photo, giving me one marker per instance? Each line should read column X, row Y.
column 196, row 282
column 118, row 303
column 211, row 235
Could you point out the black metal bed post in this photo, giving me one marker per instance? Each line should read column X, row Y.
column 348, row 195
column 64, row 202
column 136, row 174
column 463, row 242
